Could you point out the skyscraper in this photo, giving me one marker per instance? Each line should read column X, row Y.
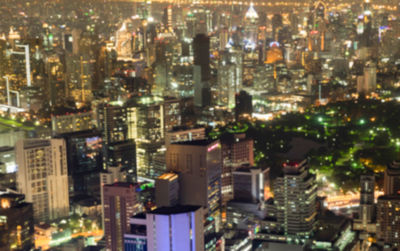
column 295, row 198
column 111, row 119
column 120, row 203
column 237, row 150
column 201, row 53
column 367, row 199
column 85, row 161
column 366, row 221
column 43, row 177
column 199, row 165
column 145, row 121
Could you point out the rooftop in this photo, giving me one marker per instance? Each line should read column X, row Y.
column 175, row 210
column 203, row 142
column 121, row 184
column 139, row 216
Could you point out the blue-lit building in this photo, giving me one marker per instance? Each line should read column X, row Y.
column 177, row 227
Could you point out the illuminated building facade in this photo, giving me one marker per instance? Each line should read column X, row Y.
column 251, row 28
column 388, row 219
column 43, row 177
column 178, row 228
column 16, row 222
column 71, row 123
column 113, row 122
column 366, row 221
column 228, row 85
column 184, row 134
column 145, row 121
column 295, row 199
column 120, row 202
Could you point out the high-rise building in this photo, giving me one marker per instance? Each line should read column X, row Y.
column 167, row 190
column 391, row 184
column 388, row 219
column 251, row 28
column 111, row 119
column 123, row 154
column 199, row 165
column 295, row 198
column 243, row 106
column 237, row 151
column 145, row 119
column 172, row 113
column 367, row 199
column 16, row 222
column 201, row 54
column 120, row 203
column 366, row 221
column 228, row 84
column 167, row 228
column 249, row 184
column 43, row 177
column 367, row 83
column 85, row 161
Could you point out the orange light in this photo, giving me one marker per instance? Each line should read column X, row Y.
column 5, row 203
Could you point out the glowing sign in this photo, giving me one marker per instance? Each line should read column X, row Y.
column 216, row 145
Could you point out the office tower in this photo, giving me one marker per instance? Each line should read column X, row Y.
column 123, row 42
column 201, row 70
column 123, row 154
column 388, row 219
column 111, row 119
column 184, row 134
column 110, row 176
column 172, row 113
column 167, row 190
column 198, row 164
column 145, row 119
column 237, row 150
column 391, row 184
column 120, row 203
column 201, row 54
column 71, row 123
column 228, row 84
column 367, row 83
column 249, row 184
column 243, row 106
column 85, row 161
column 366, row 221
column 367, row 199
column 251, row 28
column 16, row 222
column 43, row 177
column 167, row 228
column 295, row 198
